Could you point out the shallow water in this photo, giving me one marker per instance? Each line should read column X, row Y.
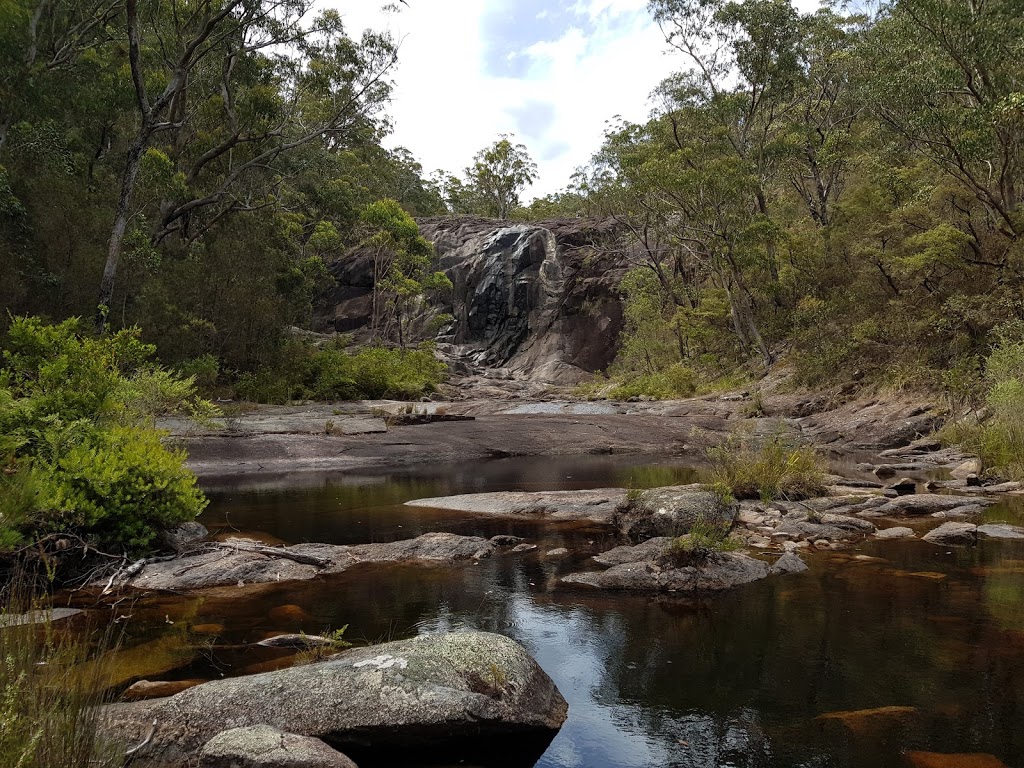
column 739, row 679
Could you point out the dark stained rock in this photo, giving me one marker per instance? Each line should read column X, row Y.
column 672, row 511
column 440, row 693
column 261, row 746
column 715, row 573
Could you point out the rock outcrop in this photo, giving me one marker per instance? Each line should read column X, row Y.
column 672, row 511
column 540, row 300
column 714, row 573
column 448, row 694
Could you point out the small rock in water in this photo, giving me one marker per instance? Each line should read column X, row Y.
column 788, row 563
column 953, row 534
column 557, row 552
column 903, row 486
column 524, row 547
column 898, row 532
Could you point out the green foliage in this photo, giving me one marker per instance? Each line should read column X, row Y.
column 998, row 436
column 769, row 468
column 673, row 382
column 337, row 373
column 704, row 540
column 76, row 415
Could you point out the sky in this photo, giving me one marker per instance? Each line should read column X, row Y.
column 550, row 73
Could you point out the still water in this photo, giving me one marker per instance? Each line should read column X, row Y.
column 775, row 674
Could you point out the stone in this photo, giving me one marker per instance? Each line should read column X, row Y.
column 903, row 486
column 596, row 506
column 157, row 689
column 717, row 572
column 1001, row 531
column 262, row 746
column 964, row 470
column 823, row 544
column 557, row 552
column 41, row 616
column 183, row 537
column 897, row 532
column 864, row 722
column 672, row 511
column 953, row 760
column 788, row 563
column 230, row 566
column 807, row 530
column 289, row 614
column 444, row 694
column 524, row 548
column 953, row 534
column 854, row 524
column 651, row 549
column 929, row 503
column 207, row 629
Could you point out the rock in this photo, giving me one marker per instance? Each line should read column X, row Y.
column 446, row 694
column 557, row 552
column 241, row 565
column 806, row 530
column 524, row 548
column 895, row 533
column 1001, row 531
column 953, row 760
column 949, row 534
column 672, row 511
column 823, row 544
column 967, row 468
column 903, row 486
column 37, row 617
column 207, row 629
column 300, row 641
column 261, row 746
column 928, row 503
column 180, row 539
column 972, row 480
column 883, row 471
column 652, row 549
column 865, row 722
column 854, row 524
column 717, row 572
column 145, row 689
column 596, row 506
column 788, row 563
column 289, row 614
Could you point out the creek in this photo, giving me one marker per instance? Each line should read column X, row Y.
column 885, row 648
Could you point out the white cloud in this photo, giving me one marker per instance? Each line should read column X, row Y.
column 590, row 60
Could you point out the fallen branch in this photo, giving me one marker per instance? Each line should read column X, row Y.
column 144, row 742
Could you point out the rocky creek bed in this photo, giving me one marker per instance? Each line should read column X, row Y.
column 908, row 542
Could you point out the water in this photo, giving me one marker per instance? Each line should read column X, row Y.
column 935, row 634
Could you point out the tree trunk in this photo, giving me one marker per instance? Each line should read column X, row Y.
column 123, row 213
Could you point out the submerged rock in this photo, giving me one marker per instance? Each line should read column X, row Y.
column 953, row 760
column 953, row 534
column 869, row 721
column 788, row 563
column 261, row 746
column 1001, row 531
column 439, row 694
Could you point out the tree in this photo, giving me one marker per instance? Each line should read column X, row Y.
column 499, row 173
column 244, row 84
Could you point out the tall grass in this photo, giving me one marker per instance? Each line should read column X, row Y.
column 49, row 696
column 768, row 468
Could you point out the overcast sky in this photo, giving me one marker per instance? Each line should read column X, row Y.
column 552, row 73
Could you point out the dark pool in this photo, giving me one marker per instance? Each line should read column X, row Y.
column 933, row 635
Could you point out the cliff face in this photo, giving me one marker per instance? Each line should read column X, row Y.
column 540, row 300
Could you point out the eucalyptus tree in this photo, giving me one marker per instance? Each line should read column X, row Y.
column 499, row 173
column 225, row 91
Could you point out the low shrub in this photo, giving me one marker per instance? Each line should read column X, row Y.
column 80, row 453
column 767, row 469
column 676, row 381
column 704, row 540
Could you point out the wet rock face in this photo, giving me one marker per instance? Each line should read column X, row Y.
column 434, row 693
column 538, row 299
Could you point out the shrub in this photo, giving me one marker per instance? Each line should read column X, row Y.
column 676, row 381
column 77, row 439
column 767, row 469
column 704, row 540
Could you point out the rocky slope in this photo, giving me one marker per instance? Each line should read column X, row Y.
column 536, row 300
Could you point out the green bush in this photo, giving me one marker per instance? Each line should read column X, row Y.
column 704, row 540
column 998, row 438
column 676, row 381
column 77, row 440
column 767, row 469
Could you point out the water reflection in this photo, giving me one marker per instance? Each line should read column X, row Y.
column 904, row 645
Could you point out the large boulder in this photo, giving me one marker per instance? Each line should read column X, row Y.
column 952, row 534
column 249, row 562
column 932, row 503
column 715, row 573
column 449, row 694
column 596, row 506
column 672, row 511
column 260, row 746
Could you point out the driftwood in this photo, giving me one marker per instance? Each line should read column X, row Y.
column 263, row 549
